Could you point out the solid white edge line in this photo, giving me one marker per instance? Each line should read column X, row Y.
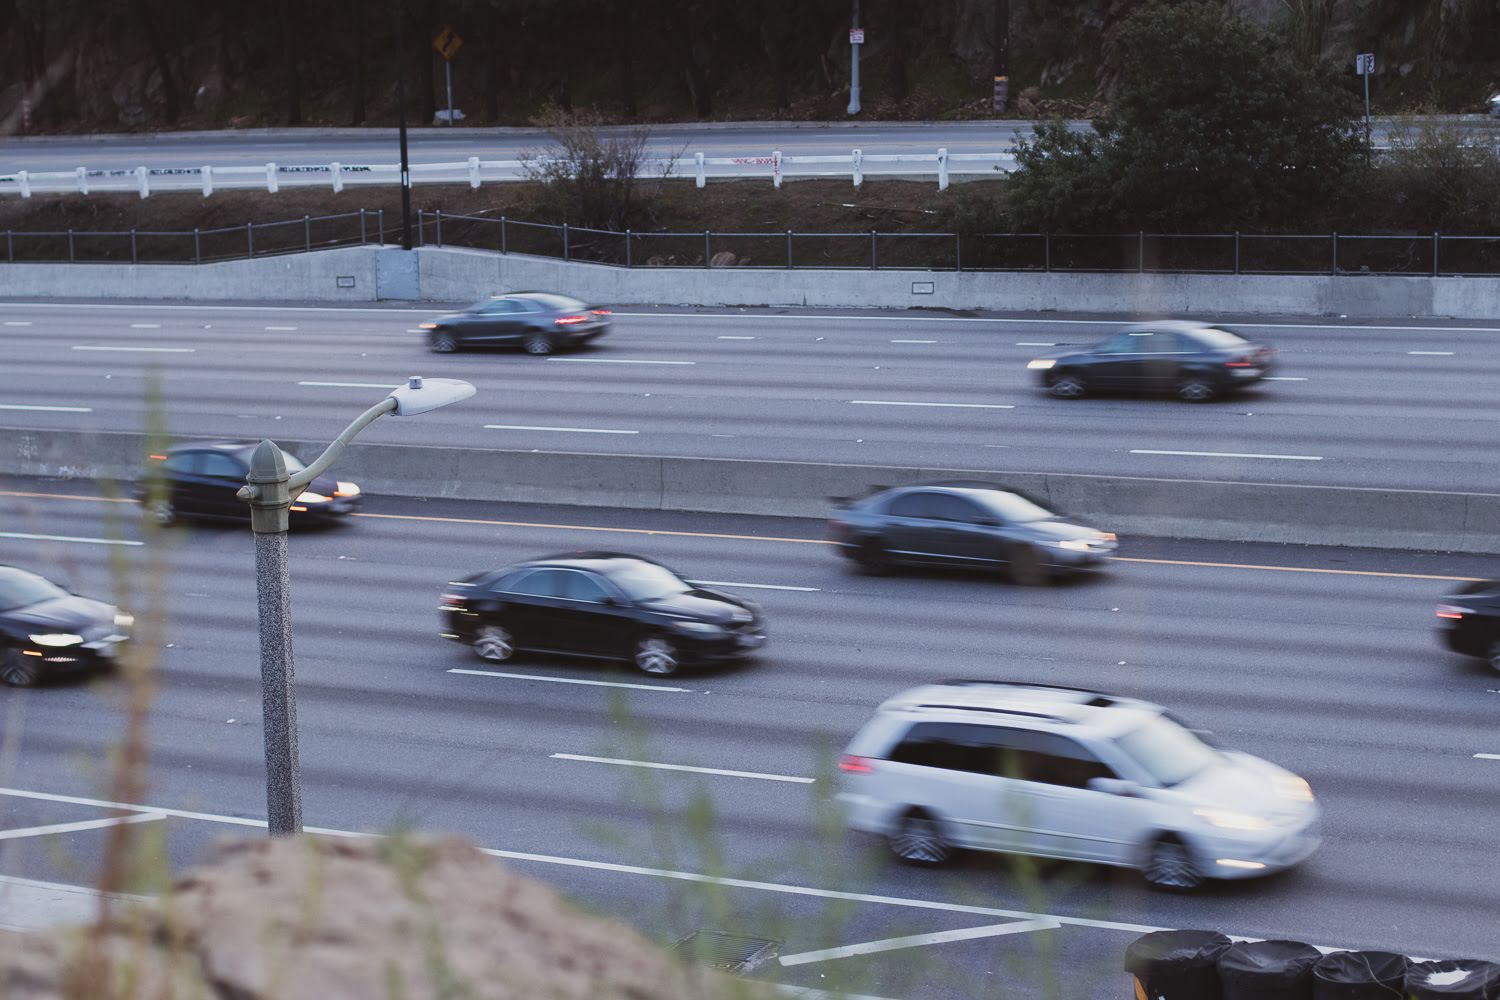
column 81, row 825
column 567, row 430
column 620, row 361
column 957, row 406
column 67, row 538
column 1225, row 454
column 755, row 586
column 921, row 940
column 352, row 385
column 649, row 765
column 140, row 350
column 46, row 409
column 568, row 680
column 1433, row 354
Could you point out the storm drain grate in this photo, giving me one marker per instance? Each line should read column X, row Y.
column 727, row 952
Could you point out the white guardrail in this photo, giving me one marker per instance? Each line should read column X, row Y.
column 777, row 167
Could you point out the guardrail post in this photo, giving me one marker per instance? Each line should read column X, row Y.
column 380, row 225
column 1236, row 251
column 70, row 246
column 1140, row 251
column 565, row 242
column 208, row 180
column 942, row 170
column 958, row 251
column 788, row 249
column 474, row 172
column 776, row 168
column 502, row 234
column 874, row 264
column 1335, row 269
column 197, row 247
column 132, row 246
column 142, row 183
column 10, row 247
column 361, row 227
column 707, row 249
column 421, row 227
column 337, row 169
column 1434, row 255
column 1047, row 252
column 24, row 176
column 627, row 248
column 440, row 227
column 271, row 184
column 859, row 167
column 698, row 165
column 82, row 174
column 250, row 238
column 307, row 233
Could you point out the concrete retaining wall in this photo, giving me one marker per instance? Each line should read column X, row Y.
column 457, row 275
column 1234, row 511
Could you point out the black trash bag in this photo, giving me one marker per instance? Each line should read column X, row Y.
column 1466, row 978
column 1360, row 975
column 1176, row 965
column 1268, row 970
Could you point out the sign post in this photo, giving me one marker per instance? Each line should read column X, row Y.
column 856, row 39
column 1364, row 65
column 447, row 43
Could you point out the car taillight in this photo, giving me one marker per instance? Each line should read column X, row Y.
column 454, row 600
column 158, row 458
column 1451, row 612
column 1237, row 364
column 570, row 320
column 855, row 765
column 601, row 312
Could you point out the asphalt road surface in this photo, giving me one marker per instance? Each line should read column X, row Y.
column 441, row 145
column 1398, row 404
column 1321, row 660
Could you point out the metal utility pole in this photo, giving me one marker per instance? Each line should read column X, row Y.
column 401, row 113
column 856, row 39
column 1002, row 55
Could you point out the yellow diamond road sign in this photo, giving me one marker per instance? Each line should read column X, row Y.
column 447, row 42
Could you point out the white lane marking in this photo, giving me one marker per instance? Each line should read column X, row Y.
column 921, row 940
column 620, row 361
column 568, row 680
column 914, row 342
column 81, row 825
column 957, row 406
column 1283, row 378
column 1432, row 354
column 649, row 765
column 1036, row 343
column 1487, row 756
column 415, row 330
column 807, row 993
column 1226, row 454
column 46, row 409
column 281, row 328
column 140, row 350
column 67, row 538
column 569, row 430
column 145, row 326
column 18, row 322
column 754, row 586
column 352, row 385
column 736, row 338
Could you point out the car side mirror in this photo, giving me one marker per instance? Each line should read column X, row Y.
column 609, row 602
column 1112, row 786
column 988, row 522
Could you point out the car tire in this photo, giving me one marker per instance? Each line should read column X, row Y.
column 1493, row 654
column 162, row 512
column 1025, row 566
column 17, row 670
column 442, row 342
column 538, row 344
column 1196, row 389
column 1170, row 866
column 872, row 557
column 656, row 655
column 494, row 644
column 918, row 839
column 1066, row 385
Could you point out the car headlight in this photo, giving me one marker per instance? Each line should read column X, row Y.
column 1230, row 819
column 1074, row 544
column 311, row 497
column 427, row 326
column 347, row 489
column 698, row 628
column 57, row 639
column 1041, row 364
column 124, row 619
column 1290, row 786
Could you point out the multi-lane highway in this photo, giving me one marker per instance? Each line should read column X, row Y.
column 1358, row 403
column 1321, row 660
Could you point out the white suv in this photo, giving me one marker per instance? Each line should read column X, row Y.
column 1065, row 773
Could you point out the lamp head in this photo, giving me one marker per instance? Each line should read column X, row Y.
column 419, row 395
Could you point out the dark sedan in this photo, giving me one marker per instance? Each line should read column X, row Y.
column 966, row 524
column 537, row 322
column 1194, row 361
column 201, row 480
column 45, row 630
column 599, row 604
column 1470, row 620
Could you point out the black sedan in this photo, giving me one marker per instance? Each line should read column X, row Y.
column 1195, row 361
column 976, row 525
column 599, row 604
column 1470, row 620
column 44, row 630
column 537, row 322
column 201, row 480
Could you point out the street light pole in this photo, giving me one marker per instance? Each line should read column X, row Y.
column 401, row 118
column 1001, row 95
column 270, row 490
column 854, row 62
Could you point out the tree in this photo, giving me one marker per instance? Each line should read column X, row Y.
column 357, row 99
column 170, row 100
column 1212, row 129
column 290, row 55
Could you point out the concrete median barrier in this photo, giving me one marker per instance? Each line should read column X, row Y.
column 1174, row 508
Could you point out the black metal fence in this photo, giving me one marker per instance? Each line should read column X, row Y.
column 1143, row 253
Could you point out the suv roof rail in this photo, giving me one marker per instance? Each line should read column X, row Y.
column 1049, row 716
column 1100, row 699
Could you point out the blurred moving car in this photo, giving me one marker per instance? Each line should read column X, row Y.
column 537, row 322
column 1493, row 105
column 45, row 630
column 966, row 524
column 1067, row 773
column 1470, row 620
column 599, row 604
column 1195, row 361
column 201, row 480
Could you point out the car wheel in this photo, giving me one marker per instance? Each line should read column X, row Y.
column 1493, row 654
column 494, row 644
column 1170, row 866
column 442, row 342
column 872, row 557
column 1067, row 386
column 656, row 655
column 17, row 670
column 1025, row 566
column 1196, row 389
column 538, row 343
column 918, row 840
column 162, row 512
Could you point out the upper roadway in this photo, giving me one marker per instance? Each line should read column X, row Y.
column 1401, row 404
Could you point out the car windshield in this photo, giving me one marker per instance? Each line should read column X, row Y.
column 17, row 590
column 561, row 302
column 1168, row 752
column 1217, row 337
column 1015, row 508
column 643, row 581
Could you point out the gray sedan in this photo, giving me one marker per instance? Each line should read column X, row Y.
column 537, row 322
column 966, row 524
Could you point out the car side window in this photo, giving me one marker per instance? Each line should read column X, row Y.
column 951, row 508
column 499, row 306
column 577, row 586
column 1173, row 343
column 538, row 583
column 948, row 746
column 913, row 505
column 1124, row 343
column 525, row 306
column 182, row 463
column 219, row 465
column 1051, row 759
